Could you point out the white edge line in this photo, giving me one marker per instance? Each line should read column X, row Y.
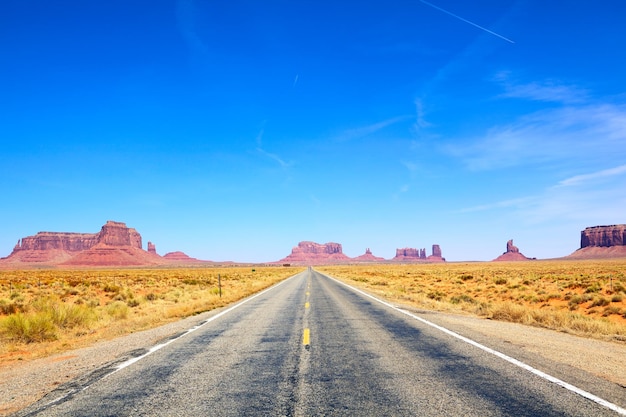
column 501, row 355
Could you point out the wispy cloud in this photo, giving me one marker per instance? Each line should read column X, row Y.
column 586, row 178
column 281, row 162
column 259, row 148
column 579, row 199
column 420, row 122
column 546, row 91
column 512, row 203
column 186, row 17
column 364, row 131
column 587, row 131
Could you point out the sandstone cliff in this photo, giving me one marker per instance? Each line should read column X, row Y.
column 603, row 236
column 602, row 242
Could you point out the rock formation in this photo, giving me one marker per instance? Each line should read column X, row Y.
column 602, row 242
column 368, row 257
column 603, row 236
column 415, row 255
column 151, row 248
column 512, row 253
column 180, row 257
column 115, row 244
column 307, row 253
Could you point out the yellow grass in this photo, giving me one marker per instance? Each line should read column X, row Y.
column 580, row 297
column 47, row 311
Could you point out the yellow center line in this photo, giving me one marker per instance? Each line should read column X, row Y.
column 306, row 337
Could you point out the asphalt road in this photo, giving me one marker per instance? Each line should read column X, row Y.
column 313, row 347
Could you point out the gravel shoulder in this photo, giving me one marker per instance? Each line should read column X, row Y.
column 26, row 382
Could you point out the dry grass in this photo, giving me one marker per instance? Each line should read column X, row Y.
column 46, row 311
column 580, row 297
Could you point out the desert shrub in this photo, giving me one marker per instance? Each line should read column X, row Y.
column 435, row 295
column 510, row 312
column 151, row 297
column 500, row 281
column 466, row 277
column 617, row 298
column 599, row 302
column 38, row 327
column 111, row 288
column 611, row 310
column 118, row 310
column 64, row 315
column 574, row 301
column 8, row 307
column 133, row 302
column 463, row 298
column 595, row 287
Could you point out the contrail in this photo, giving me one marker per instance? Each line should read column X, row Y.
column 465, row 20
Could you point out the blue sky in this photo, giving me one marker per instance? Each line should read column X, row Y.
column 233, row 130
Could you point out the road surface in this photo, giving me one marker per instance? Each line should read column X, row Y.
column 312, row 346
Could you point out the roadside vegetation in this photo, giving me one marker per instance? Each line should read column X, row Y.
column 586, row 298
column 46, row 311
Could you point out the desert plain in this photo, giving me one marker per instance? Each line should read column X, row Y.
column 51, row 310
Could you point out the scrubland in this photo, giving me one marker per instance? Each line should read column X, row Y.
column 586, row 298
column 47, row 311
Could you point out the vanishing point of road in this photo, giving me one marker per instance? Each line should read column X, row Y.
column 311, row 346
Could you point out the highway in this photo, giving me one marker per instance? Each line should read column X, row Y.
column 312, row 346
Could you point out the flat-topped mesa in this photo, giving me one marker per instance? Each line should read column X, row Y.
column 308, row 252
column 316, row 248
column 418, row 255
column 407, row 253
column 603, row 236
column 45, row 241
column 602, row 242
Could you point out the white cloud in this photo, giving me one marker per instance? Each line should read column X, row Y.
column 547, row 91
column 585, row 178
column 512, row 203
column 281, row 162
column 595, row 131
column 363, row 131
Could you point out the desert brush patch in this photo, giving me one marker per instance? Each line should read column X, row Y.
column 586, row 297
column 47, row 311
